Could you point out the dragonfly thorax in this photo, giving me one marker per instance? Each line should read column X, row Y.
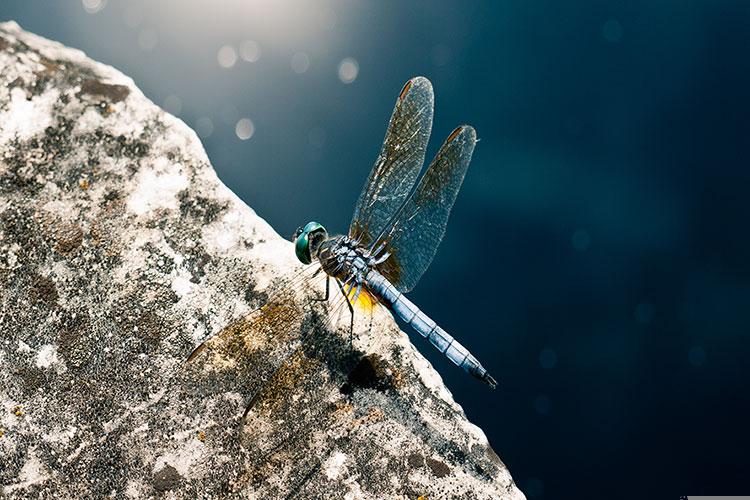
column 343, row 258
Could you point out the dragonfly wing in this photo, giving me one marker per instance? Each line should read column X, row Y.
column 417, row 229
column 273, row 326
column 395, row 171
column 270, row 347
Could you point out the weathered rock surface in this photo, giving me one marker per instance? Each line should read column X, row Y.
column 120, row 251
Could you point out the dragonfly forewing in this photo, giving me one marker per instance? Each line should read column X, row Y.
column 413, row 236
column 401, row 158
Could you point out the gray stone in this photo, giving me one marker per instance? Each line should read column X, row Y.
column 120, row 251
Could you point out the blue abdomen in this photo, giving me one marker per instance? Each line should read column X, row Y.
column 425, row 326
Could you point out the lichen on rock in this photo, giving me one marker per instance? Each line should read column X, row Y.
column 120, row 251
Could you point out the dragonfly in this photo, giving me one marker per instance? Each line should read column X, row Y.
column 398, row 222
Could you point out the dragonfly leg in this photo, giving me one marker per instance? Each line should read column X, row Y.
column 356, row 294
column 318, row 299
column 372, row 310
column 354, row 301
column 351, row 310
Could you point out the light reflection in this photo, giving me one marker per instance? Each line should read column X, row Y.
column 348, row 70
column 547, row 358
column 581, row 240
column 644, row 313
column 227, row 56
column 172, row 104
column 249, row 50
column 244, row 129
column 204, row 127
column 281, row 24
column 93, row 6
column 612, row 31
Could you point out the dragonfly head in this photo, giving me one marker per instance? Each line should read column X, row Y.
column 307, row 240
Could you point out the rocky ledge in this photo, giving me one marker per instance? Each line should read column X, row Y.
column 120, row 251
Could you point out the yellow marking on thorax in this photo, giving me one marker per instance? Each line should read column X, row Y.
column 366, row 301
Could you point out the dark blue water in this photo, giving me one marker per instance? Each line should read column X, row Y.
column 597, row 257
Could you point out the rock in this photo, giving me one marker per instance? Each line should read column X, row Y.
column 120, row 251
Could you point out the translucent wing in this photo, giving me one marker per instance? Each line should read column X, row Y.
column 397, row 167
column 271, row 350
column 419, row 226
column 270, row 328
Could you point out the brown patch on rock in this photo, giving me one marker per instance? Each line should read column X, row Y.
column 103, row 228
column 50, row 67
column 43, row 289
column 3, row 43
column 114, row 93
column 289, row 375
column 32, row 379
column 167, row 479
column 150, row 325
column 415, row 460
column 438, row 468
column 68, row 237
column 71, row 339
column 374, row 415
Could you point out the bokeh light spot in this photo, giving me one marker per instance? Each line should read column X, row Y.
column 147, row 39
column 172, row 104
column 249, row 50
column 93, row 6
column 204, row 127
column 581, row 240
column 348, row 70
column 227, row 56
column 697, row 356
column 612, row 31
column 644, row 313
column 542, row 404
column 547, row 358
column 300, row 62
column 244, row 129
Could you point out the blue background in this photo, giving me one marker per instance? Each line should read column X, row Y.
column 597, row 257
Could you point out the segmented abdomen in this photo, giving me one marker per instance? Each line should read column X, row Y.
column 426, row 327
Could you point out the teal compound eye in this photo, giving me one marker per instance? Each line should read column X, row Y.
column 302, row 248
column 312, row 230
